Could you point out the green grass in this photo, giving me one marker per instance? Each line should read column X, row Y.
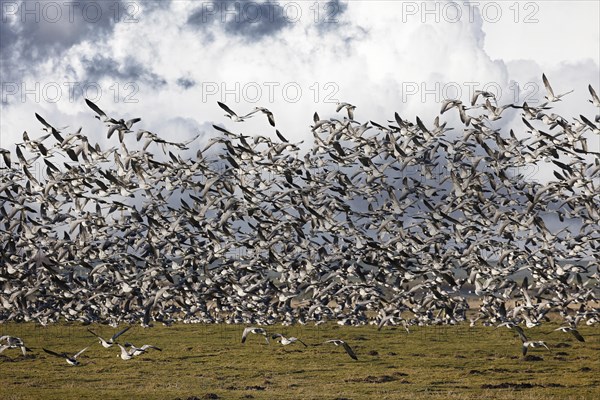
column 208, row 361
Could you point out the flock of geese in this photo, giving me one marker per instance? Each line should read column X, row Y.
column 387, row 223
column 129, row 351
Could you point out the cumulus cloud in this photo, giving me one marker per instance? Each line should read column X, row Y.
column 180, row 58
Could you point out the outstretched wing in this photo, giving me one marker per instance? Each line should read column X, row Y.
column 349, row 350
column 93, row 333
column 96, row 109
column 245, row 334
column 116, row 335
column 53, row 353
column 280, row 136
column 520, row 332
column 227, row 109
column 80, row 352
column 148, row 346
column 547, row 85
column 593, row 93
column 577, row 335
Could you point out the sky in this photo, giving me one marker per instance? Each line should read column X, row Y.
column 169, row 62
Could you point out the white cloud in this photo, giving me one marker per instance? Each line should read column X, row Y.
column 382, row 56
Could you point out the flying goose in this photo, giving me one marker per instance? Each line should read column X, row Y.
column 349, row 109
column 346, row 346
column 256, row 331
column 13, row 342
column 572, row 331
column 233, row 116
column 595, row 100
column 264, row 110
column 285, row 341
column 136, row 351
column 126, row 354
column 550, row 96
column 120, row 125
column 71, row 360
column 108, row 343
column 516, row 328
column 533, row 344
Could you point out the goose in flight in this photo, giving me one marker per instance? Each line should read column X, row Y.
column 572, row 331
column 126, row 354
column 533, row 344
column 285, row 341
column 516, row 328
column 71, row 360
column 263, row 110
column 12, row 342
column 6, row 157
column 233, row 116
column 595, row 129
column 349, row 109
column 486, row 94
column 120, row 125
column 550, row 96
column 528, row 343
column 346, row 346
column 136, row 351
column 256, row 331
column 595, row 99
column 108, row 343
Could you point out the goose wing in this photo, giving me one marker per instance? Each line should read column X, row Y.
column 55, row 354
column 349, row 350
column 80, row 352
column 577, row 335
column 226, row 109
column 97, row 110
column 116, row 335
column 547, row 85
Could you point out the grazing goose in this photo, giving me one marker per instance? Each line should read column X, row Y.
column 256, row 331
column 346, row 346
column 285, row 341
column 108, row 343
column 71, row 360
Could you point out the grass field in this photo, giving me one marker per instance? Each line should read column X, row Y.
column 209, row 362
